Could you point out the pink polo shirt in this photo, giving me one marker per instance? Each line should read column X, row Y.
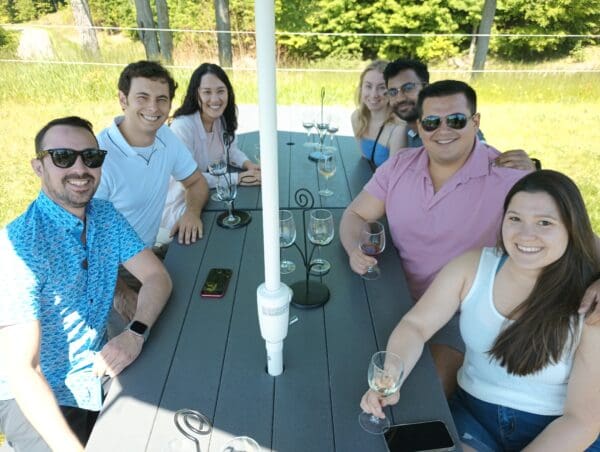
column 429, row 229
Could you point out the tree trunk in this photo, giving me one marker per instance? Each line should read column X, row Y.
column 166, row 37
column 483, row 42
column 83, row 20
column 145, row 20
column 223, row 39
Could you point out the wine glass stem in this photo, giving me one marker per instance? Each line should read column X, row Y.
column 326, row 184
column 229, row 209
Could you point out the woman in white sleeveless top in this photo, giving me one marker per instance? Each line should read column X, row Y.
column 531, row 375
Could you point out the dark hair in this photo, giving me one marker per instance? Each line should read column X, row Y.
column 544, row 326
column 146, row 69
column 403, row 64
column 73, row 121
column 447, row 88
column 191, row 102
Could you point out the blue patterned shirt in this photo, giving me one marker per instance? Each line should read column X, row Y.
column 48, row 274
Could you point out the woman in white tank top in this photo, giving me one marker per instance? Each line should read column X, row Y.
column 531, row 375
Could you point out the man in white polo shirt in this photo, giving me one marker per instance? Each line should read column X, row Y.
column 142, row 156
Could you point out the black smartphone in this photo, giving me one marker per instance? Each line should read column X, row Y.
column 216, row 282
column 419, row 437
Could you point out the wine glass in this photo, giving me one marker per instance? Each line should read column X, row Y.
column 308, row 125
column 241, row 444
column 322, row 130
column 385, row 376
column 217, row 167
column 287, row 237
column 372, row 243
column 320, row 232
column 326, row 166
column 332, row 130
column 227, row 191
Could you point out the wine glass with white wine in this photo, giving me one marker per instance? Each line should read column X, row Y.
column 326, row 166
column 385, row 377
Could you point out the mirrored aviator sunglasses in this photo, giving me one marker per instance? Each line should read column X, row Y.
column 65, row 158
column 456, row 121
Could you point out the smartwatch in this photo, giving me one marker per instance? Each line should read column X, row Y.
column 139, row 329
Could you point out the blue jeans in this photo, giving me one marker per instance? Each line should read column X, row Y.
column 487, row 427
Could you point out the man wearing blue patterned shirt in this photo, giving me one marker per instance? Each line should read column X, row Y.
column 58, row 268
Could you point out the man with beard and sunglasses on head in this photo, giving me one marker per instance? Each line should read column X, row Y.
column 404, row 79
column 58, row 269
column 441, row 200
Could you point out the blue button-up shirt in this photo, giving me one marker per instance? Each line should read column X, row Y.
column 47, row 273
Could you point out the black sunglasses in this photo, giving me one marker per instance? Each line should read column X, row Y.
column 404, row 89
column 455, row 121
column 65, row 158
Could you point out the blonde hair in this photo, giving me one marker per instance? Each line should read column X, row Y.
column 364, row 115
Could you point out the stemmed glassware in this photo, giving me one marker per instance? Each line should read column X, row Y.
column 372, row 243
column 217, row 167
column 385, row 377
column 332, row 129
column 287, row 237
column 241, row 444
column 320, row 232
column 227, row 192
column 326, row 166
column 308, row 125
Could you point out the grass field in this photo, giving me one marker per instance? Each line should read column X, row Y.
column 554, row 117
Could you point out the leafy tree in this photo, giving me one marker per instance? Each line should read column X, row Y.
column 550, row 17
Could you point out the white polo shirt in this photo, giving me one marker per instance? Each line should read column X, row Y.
column 136, row 180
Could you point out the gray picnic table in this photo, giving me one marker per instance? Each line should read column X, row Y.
column 208, row 355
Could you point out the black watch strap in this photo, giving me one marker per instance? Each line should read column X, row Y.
column 139, row 329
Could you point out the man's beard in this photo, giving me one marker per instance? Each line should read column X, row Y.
column 407, row 115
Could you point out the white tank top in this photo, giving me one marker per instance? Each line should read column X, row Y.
column 482, row 376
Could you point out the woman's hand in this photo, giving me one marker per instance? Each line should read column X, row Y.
column 250, row 165
column 373, row 403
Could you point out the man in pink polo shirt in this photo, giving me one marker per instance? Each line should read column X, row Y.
column 441, row 200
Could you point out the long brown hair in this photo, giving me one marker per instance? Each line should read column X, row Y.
column 364, row 115
column 545, row 326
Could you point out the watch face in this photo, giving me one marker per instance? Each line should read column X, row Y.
column 138, row 327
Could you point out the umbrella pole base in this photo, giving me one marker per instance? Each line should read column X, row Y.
column 316, row 295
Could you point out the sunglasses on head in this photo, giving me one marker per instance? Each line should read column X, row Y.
column 65, row 158
column 455, row 121
column 404, row 89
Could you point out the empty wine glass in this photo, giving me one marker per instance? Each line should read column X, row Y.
column 326, row 166
column 308, row 125
column 322, row 130
column 332, row 130
column 320, row 232
column 227, row 191
column 372, row 243
column 217, row 167
column 287, row 237
column 385, row 376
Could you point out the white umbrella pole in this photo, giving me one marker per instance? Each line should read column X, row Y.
column 273, row 297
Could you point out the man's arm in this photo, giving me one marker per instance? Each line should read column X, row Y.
column 20, row 348
column 365, row 207
column 123, row 349
column 189, row 224
column 517, row 158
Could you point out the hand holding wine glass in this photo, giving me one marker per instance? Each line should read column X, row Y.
column 385, row 377
column 372, row 243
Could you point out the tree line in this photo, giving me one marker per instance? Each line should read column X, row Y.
column 518, row 17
